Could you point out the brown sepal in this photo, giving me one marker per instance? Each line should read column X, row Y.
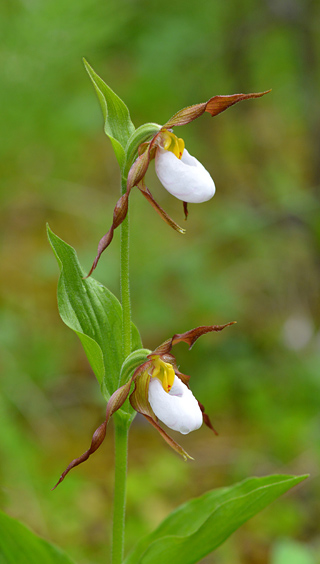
column 147, row 194
column 185, row 210
column 206, row 419
column 135, row 175
column 115, row 402
column 189, row 337
column 219, row 104
column 214, row 106
column 168, row 439
column 186, row 115
column 119, row 214
column 139, row 397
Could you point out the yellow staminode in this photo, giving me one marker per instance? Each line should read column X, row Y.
column 164, row 372
column 173, row 143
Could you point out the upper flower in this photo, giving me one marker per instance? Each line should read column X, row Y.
column 179, row 172
column 161, row 392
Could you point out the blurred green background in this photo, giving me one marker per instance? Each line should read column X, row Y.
column 250, row 254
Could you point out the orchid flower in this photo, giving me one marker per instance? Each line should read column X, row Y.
column 161, row 392
column 179, row 172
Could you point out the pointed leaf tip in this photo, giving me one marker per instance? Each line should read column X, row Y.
column 117, row 122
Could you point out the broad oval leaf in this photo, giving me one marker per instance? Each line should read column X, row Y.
column 201, row 525
column 117, row 123
column 19, row 545
column 94, row 313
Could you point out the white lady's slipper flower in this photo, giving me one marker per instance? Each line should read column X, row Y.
column 160, row 392
column 181, row 174
column 178, row 408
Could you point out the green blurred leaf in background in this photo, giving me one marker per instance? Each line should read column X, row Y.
column 18, row 545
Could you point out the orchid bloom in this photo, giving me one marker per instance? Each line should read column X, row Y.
column 161, row 392
column 180, row 173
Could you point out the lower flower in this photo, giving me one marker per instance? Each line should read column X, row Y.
column 161, row 392
column 178, row 408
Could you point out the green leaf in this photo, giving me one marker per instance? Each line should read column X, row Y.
column 94, row 313
column 201, row 525
column 287, row 551
column 19, row 545
column 117, row 123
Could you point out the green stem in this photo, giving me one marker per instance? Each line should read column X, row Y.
column 121, row 426
column 121, row 455
column 124, row 281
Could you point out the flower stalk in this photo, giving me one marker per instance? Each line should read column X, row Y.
column 121, row 427
column 121, row 432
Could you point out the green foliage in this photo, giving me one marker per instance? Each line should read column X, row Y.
column 94, row 313
column 250, row 254
column 201, row 525
column 288, row 551
column 19, row 545
column 117, row 123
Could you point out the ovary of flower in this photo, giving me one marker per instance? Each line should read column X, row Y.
column 178, row 409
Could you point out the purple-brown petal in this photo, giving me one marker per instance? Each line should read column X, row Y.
column 219, row 104
column 185, row 210
column 136, row 173
column 206, row 419
column 189, row 337
column 186, row 115
column 119, row 214
column 168, row 439
column 115, row 402
column 139, row 397
column 138, row 169
column 214, row 106
column 147, row 194
column 97, row 440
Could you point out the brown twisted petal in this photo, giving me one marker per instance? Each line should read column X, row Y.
column 136, row 173
column 185, row 210
column 139, row 397
column 168, row 439
column 214, row 106
column 135, row 176
column 119, row 214
column 219, row 104
column 189, row 337
column 115, row 402
column 147, row 194
column 206, row 419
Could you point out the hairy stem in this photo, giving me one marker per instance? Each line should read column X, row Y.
column 121, row 426
column 121, row 454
